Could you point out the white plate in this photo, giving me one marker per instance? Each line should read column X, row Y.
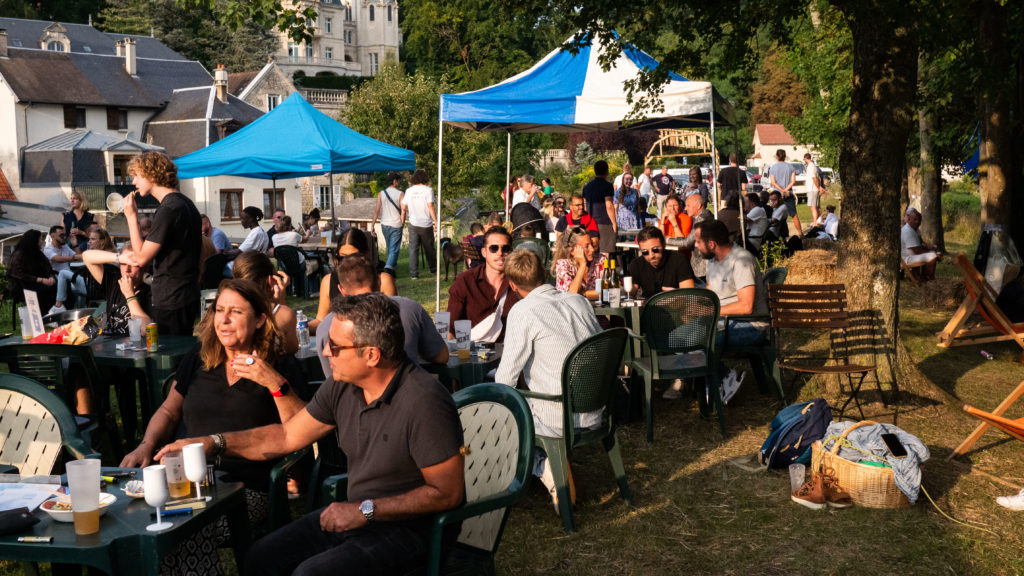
column 67, row 516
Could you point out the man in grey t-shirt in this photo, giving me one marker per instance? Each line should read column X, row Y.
column 782, row 177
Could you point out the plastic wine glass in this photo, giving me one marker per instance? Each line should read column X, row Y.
column 154, row 479
column 195, row 464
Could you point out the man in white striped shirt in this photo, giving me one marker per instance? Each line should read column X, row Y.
column 542, row 329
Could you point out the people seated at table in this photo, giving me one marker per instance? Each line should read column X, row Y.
column 914, row 252
column 575, row 267
column 356, row 275
column 99, row 239
column 256, row 240
column 696, row 209
column 352, row 241
column 257, row 267
column 625, row 200
column 734, row 276
column 402, row 437
column 536, row 350
column 756, row 220
column 777, row 227
column 555, row 214
column 216, row 235
column 173, row 244
column 675, row 223
column 311, row 226
column 77, row 221
column 576, row 216
column 658, row 269
column 826, row 226
column 646, row 218
column 29, row 269
column 482, row 294
column 275, row 218
column 120, row 278
column 60, row 256
column 730, row 216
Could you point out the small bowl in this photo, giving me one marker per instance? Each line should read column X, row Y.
column 135, row 489
column 65, row 514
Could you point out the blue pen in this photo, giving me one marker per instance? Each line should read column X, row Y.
column 166, row 513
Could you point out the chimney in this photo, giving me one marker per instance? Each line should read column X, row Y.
column 129, row 57
column 220, row 81
column 3, row 43
column 119, row 48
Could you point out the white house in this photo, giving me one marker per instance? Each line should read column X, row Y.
column 770, row 137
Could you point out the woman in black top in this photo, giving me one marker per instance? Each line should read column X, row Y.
column 77, row 222
column 29, row 269
column 126, row 294
column 353, row 241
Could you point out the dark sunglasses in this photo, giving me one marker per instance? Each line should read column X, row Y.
column 651, row 251
column 338, row 348
column 505, row 248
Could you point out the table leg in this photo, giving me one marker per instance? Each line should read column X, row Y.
column 241, row 535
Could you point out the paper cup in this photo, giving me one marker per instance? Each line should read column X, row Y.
column 463, row 328
column 796, row 476
column 442, row 321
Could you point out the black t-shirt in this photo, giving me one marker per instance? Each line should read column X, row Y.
column 270, row 234
column 413, row 425
column 664, row 183
column 118, row 313
column 730, row 178
column 675, row 268
column 594, row 194
column 179, row 232
column 212, row 405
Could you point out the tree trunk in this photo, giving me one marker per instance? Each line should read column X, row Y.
column 931, row 184
column 873, row 156
column 995, row 165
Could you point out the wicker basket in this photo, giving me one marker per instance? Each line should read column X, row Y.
column 869, row 486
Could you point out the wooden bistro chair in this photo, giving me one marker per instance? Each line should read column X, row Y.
column 679, row 329
column 498, row 431
column 811, row 309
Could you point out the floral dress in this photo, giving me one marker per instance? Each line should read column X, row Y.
column 565, row 271
column 626, row 214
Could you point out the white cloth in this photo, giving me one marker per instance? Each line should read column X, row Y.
column 289, row 238
column 810, row 173
column 519, row 196
column 645, row 185
column 832, row 224
column 257, row 241
column 417, row 201
column 391, row 215
column 538, row 349
column 758, row 223
column 49, row 251
column 489, row 329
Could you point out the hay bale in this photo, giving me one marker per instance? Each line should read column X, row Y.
column 938, row 294
column 816, row 266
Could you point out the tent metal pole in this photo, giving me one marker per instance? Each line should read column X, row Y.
column 714, row 161
column 437, row 231
column 334, row 220
column 508, row 172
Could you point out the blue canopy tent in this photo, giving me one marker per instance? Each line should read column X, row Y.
column 291, row 141
column 567, row 92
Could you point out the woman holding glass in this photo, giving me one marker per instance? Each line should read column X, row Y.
column 575, row 268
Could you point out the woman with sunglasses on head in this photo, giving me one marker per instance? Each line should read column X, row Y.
column 257, row 267
column 352, row 241
column 482, row 294
column 575, row 268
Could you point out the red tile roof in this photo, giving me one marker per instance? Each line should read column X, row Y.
column 773, row 134
column 6, row 193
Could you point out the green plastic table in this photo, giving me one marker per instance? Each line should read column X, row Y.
column 123, row 545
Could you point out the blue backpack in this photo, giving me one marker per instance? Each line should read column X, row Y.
column 793, row 430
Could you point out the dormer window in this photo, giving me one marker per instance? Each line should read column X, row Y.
column 55, row 46
column 55, row 38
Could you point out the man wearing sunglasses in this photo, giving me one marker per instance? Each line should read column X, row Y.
column 402, row 436
column 482, row 294
column 659, row 269
column 576, row 216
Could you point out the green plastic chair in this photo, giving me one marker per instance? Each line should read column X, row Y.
column 679, row 328
column 498, row 432
column 36, row 427
column 762, row 357
column 589, row 375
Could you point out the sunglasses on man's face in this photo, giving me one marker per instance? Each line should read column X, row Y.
column 505, row 248
column 651, row 251
column 338, row 348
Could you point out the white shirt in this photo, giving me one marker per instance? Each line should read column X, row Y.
column 758, row 222
column 391, row 214
column 810, row 173
column 645, row 185
column 909, row 238
column 417, row 200
column 257, row 240
column 64, row 250
column 289, row 238
column 537, row 350
column 832, row 224
column 519, row 196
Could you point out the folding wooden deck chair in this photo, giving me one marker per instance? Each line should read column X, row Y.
column 995, row 418
column 980, row 297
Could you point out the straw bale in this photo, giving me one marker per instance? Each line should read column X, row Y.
column 937, row 294
column 811, row 267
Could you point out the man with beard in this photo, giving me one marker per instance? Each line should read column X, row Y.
column 659, row 269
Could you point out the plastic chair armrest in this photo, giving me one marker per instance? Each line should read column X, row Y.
column 277, row 506
column 501, row 499
column 334, row 488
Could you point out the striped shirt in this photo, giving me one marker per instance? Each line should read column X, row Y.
column 541, row 331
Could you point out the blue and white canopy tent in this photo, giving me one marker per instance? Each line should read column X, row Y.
column 567, row 92
column 292, row 141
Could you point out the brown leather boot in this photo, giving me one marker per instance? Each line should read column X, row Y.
column 811, row 494
column 835, row 495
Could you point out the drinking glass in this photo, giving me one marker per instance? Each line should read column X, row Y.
column 177, row 484
column 84, row 485
column 627, row 285
column 154, row 479
column 135, row 330
column 195, row 464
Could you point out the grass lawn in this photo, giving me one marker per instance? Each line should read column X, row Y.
column 695, row 513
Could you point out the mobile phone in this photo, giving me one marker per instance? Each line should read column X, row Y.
column 896, row 448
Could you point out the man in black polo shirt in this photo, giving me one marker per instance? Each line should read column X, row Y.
column 659, row 269
column 402, row 435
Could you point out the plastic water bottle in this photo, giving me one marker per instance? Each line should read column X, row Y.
column 302, row 329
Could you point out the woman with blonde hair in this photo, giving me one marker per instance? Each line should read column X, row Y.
column 77, row 222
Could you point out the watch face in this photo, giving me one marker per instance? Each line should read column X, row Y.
column 366, row 507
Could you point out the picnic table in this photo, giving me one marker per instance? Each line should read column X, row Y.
column 123, row 545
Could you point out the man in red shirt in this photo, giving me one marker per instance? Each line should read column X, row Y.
column 482, row 294
column 576, row 216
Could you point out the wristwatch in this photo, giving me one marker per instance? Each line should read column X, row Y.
column 282, row 390
column 367, row 507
